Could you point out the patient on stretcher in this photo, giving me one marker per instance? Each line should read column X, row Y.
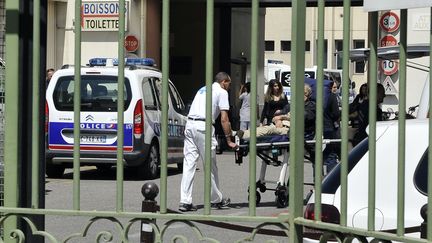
column 281, row 122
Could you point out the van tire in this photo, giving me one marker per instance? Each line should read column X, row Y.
column 54, row 171
column 150, row 168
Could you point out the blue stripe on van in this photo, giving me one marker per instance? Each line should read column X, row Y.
column 55, row 129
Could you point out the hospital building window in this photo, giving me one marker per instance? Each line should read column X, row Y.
column 307, row 45
column 269, row 46
column 338, row 56
column 359, row 66
column 285, row 46
column 325, row 52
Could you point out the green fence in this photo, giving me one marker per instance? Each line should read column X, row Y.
column 291, row 224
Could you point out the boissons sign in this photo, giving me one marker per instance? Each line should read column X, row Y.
column 101, row 16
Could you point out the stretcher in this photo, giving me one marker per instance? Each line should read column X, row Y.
column 274, row 151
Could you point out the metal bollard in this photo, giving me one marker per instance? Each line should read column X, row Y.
column 423, row 226
column 149, row 190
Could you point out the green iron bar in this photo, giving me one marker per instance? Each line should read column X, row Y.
column 319, row 111
column 77, row 106
column 165, row 75
column 429, row 212
column 401, row 123
column 281, row 218
column 208, row 81
column 297, row 119
column 11, row 182
column 253, row 112
column 373, row 37
column 120, row 106
column 345, row 91
column 352, row 231
column 35, row 106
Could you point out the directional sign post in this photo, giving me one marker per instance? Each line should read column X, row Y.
column 389, row 22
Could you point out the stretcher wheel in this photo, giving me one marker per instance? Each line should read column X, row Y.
column 257, row 197
column 281, row 196
column 261, row 186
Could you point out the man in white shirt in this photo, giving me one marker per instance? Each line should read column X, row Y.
column 194, row 143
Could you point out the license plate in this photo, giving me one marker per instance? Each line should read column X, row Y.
column 93, row 138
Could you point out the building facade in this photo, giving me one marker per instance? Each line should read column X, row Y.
column 278, row 39
column 278, row 45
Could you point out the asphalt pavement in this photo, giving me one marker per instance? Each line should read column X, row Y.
column 98, row 192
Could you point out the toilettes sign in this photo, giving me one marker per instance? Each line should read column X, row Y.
column 101, row 16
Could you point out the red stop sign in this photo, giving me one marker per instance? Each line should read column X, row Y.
column 131, row 43
column 388, row 40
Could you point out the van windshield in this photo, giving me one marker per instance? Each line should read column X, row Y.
column 98, row 93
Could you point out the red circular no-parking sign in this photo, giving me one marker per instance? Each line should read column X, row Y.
column 388, row 40
column 389, row 22
column 131, row 43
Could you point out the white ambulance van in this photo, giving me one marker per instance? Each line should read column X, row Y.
column 98, row 118
column 284, row 76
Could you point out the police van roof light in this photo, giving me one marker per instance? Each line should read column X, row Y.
column 102, row 61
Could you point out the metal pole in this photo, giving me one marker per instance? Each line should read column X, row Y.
column 208, row 80
column 372, row 82
column 297, row 120
column 253, row 112
column 150, row 191
column 164, row 135
column 12, row 108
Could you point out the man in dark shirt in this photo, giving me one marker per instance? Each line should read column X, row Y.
column 331, row 128
column 363, row 115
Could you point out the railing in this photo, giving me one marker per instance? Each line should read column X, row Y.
column 290, row 224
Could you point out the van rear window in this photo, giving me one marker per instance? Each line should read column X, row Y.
column 98, row 93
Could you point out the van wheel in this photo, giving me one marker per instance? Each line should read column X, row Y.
column 54, row 171
column 281, row 196
column 150, row 168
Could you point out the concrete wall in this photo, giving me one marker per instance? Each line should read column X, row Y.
column 278, row 28
column 241, row 49
column 187, row 47
column 94, row 43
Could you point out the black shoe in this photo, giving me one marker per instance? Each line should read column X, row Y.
column 187, row 207
column 224, row 203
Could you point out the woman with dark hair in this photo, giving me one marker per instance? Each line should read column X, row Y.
column 362, row 96
column 274, row 101
column 358, row 100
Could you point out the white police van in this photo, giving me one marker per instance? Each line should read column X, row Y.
column 98, row 118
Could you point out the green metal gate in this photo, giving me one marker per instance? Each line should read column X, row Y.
column 291, row 224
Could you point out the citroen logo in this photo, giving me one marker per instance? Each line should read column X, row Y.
column 89, row 118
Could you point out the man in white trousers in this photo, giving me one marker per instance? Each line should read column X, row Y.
column 194, row 143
